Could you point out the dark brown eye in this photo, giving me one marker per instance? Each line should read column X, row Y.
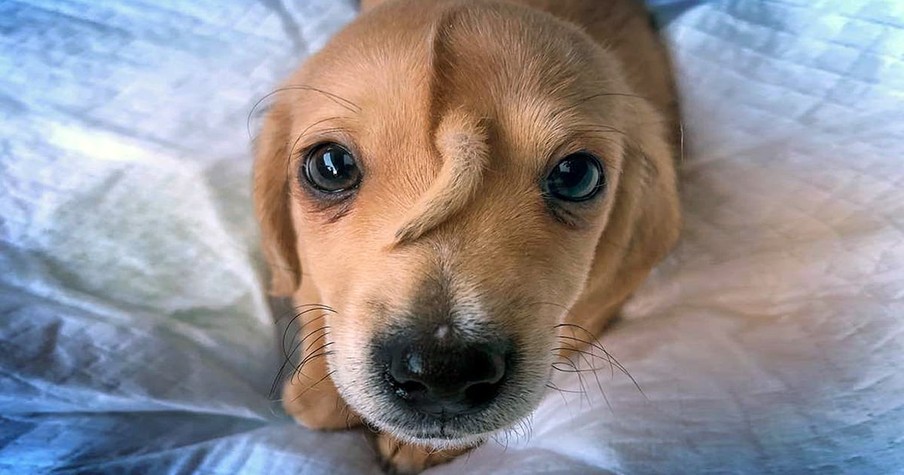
column 331, row 168
column 577, row 177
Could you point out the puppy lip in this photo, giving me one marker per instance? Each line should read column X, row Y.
column 441, row 436
column 463, row 427
column 442, row 417
column 434, row 435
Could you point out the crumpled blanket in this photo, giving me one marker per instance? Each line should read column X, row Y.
column 135, row 335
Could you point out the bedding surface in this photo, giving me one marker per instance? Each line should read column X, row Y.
column 135, row 336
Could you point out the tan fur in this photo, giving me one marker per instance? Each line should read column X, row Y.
column 463, row 150
column 455, row 108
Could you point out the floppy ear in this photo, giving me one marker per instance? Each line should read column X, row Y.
column 642, row 229
column 271, row 202
column 652, row 200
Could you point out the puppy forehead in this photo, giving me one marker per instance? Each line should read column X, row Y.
column 514, row 68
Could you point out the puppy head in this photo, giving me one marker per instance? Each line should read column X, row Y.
column 452, row 180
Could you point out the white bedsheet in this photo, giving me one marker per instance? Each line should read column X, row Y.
column 135, row 337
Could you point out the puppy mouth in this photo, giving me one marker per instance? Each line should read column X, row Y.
column 453, row 429
column 441, row 430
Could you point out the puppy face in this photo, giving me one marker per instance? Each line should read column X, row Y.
column 444, row 181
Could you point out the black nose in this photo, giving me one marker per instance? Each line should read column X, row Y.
column 444, row 377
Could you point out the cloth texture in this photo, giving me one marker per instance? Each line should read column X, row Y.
column 135, row 334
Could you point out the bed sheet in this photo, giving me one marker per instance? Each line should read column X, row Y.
column 135, row 336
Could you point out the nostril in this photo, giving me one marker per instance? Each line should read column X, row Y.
column 494, row 368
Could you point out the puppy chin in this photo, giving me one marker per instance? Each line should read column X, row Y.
column 459, row 432
column 438, row 443
column 448, row 442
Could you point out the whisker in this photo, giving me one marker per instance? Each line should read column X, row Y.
column 609, row 356
column 299, row 366
column 562, row 391
column 322, row 329
column 341, row 101
column 282, row 368
column 289, row 326
column 601, row 128
column 614, row 363
column 529, row 422
column 596, row 375
column 314, row 354
column 348, row 412
column 309, row 358
column 599, row 346
column 590, row 367
column 395, row 450
column 289, row 355
column 574, row 370
column 608, row 94
column 312, row 386
column 579, row 101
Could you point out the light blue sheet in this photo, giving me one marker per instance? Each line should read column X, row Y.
column 135, row 336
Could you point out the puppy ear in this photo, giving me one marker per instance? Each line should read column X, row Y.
column 652, row 197
column 642, row 229
column 271, row 201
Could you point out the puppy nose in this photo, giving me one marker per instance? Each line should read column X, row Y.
column 443, row 378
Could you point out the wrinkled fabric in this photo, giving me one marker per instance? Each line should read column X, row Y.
column 135, row 335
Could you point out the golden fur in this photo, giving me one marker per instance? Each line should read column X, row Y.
column 454, row 109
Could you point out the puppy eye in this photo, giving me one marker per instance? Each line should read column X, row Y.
column 577, row 177
column 331, row 168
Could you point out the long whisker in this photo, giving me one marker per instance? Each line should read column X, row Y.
column 593, row 342
column 314, row 353
column 309, row 358
column 297, row 367
column 608, row 94
column 611, row 359
column 596, row 375
column 574, row 370
column 591, row 367
column 289, row 355
column 307, row 351
column 315, row 384
column 286, row 362
column 550, row 385
column 289, row 326
column 341, row 101
column 319, row 338
column 311, row 333
column 614, row 362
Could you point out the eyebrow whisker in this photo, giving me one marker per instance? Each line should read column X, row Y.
column 335, row 98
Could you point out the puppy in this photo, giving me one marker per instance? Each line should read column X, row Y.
column 448, row 185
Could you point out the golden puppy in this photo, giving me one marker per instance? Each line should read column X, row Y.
column 458, row 181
